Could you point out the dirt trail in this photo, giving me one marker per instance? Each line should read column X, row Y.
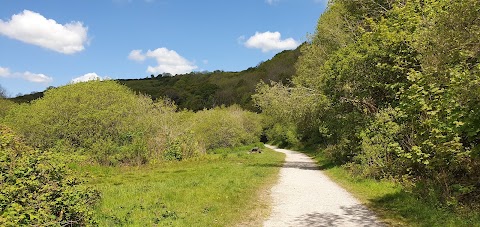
column 304, row 196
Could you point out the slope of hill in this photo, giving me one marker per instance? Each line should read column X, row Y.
column 196, row 91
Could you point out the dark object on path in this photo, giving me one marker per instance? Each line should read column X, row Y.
column 263, row 138
column 255, row 150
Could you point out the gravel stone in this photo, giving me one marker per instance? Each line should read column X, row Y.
column 305, row 196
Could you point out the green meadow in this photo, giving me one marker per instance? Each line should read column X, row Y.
column 221, row 189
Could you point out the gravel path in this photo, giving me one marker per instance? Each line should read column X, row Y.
column 304, row 196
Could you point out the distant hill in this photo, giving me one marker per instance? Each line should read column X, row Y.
column 199, row 90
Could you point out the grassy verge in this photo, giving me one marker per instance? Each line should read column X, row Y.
column 215, row 190
column 392, row 203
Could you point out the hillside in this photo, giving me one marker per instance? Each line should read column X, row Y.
column 196, row 91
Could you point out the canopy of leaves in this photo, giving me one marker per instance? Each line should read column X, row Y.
column 400, row 81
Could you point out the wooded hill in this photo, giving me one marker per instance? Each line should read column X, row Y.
column 199, row 90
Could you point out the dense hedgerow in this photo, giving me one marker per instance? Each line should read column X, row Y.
column 100, row 118
column 37, row 190
column 112, row 125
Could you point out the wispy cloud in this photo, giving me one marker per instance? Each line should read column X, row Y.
column 168, row 61
column 33, row 28
column 268, row 41
column 272, row 2
column 29, row 76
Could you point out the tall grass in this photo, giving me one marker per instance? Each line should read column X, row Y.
column 212, row 190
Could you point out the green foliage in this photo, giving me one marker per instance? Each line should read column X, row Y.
column 399, row 82
column 37, row 190
column 291, row 112
column 226, row 127
column 103, row 119
column 199, row 90
column 391, row 202
column 441, row 114
column 380, row 148
column 5, row 106
column 112, row 125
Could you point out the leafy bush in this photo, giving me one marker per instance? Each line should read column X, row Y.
column 5, row 106
column 290, row 112
column 103, row 119
column 36, row 190
column 226, row 127
column 173, row 138
column 285, row 134
column 378, row 157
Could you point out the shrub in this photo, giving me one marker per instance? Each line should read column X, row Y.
column 101, row 118
column 36, row 190
column 5, row 106
column 378, row 157
column 173, row 138
column 226, row 127
column 283, row 133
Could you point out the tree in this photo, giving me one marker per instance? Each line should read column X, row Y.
column 401, row 81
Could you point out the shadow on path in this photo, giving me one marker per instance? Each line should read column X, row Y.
column 356, row 215
column 293, row 165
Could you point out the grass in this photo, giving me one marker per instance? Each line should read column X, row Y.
column 213, row 190
column 395, row 205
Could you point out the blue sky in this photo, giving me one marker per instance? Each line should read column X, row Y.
column 51, row 43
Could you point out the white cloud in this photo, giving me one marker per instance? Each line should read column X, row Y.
column 34, row 77
column 271, row 2
column 136, row 55
column 205, row 61
column 88, row 77
column 29, row 76
column 4, row 72
column 269, row 41
column 168, row 61
column 33, row 28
